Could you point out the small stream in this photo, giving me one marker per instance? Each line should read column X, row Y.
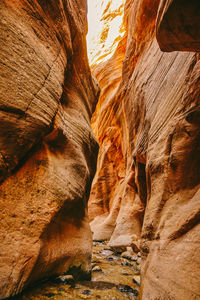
column 114, row 277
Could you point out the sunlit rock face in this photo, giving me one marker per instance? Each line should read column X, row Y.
column 110, row 182
column 146, row 189
column 47, row 150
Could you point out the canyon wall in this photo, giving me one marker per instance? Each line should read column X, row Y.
column 147, row 187
column 47, row 149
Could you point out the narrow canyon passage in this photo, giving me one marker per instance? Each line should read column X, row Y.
column 99, row 149
column 115, row 275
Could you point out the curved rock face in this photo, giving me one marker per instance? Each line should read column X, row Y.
column 178, row 25
column 47, row 150
column 146, row 189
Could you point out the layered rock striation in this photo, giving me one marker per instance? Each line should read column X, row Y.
column 47, row 149
column 146, row 190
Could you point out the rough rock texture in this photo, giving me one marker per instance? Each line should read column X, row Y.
column 178, row 25
column 146, row 189
column 47, row 150
column 114, row 213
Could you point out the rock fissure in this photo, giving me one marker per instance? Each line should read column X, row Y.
column 141, row 194
column 43, row 84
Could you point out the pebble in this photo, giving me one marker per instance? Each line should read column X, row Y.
column 127, row 255
column 136, row 280
column 129, row 249
column 65, row 279
column 109, row 258
column 137, row 271
column 127, row 289
column 126, row 274
column 96, row 269
column 95, row 259
column 106, row 253
column 126, row 263
column 139, row 261
column 93, row 265
column 49, row 295
column 107, row 248
column 86, row 292
column 115, row 257
column 134, row 258
column 118, row 249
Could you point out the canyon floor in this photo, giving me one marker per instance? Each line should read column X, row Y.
column 115, row 276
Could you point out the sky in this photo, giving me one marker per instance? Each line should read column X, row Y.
column 96, row 25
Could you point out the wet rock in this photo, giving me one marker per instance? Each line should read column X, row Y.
column 116, row 283
column 137, row 271
column 127, row 289
column 100, row 242
column 109, row 258
column 96, row 259
column 135, row 246
column 129, row 249
column 86, row 292
column 106, row 253
column 136, row 280
column 61, row 289
column 126, row 274
column 96, row 269
column 128, row 255
column 106, row 247
column 93, row 265
column 134, row 258
column 65, row 279
column 78, row 274
column 49, row 295
column 126, row 263
column 118, row 249
column 113, row 257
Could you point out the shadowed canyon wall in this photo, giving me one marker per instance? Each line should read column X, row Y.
column 47, row 149
column 146, row 190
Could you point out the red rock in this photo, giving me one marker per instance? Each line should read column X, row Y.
column 178, row 25
column 146, row 188
column 47, row 150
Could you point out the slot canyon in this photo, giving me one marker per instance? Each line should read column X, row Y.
column 100, row 149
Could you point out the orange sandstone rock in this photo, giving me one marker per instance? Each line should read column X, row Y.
column 146, row 189
column 178, row 25
column 47, row 150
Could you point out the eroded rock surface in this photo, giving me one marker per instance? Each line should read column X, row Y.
column 146, row 190
column 113, row 277
column 47, row 150
column 178, row 25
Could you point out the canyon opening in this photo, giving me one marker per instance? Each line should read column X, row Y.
column 99, row 149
